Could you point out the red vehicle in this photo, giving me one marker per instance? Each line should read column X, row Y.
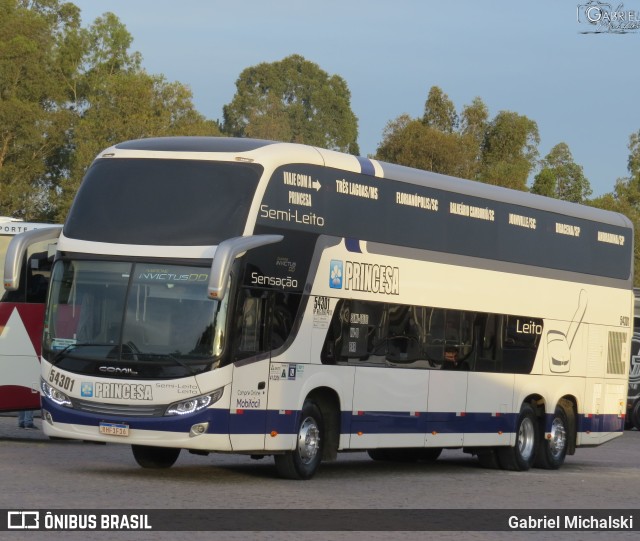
column 21, row 320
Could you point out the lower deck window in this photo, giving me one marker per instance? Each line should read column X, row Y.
column 398, row 335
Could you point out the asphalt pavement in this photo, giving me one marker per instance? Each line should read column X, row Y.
column 9, row 427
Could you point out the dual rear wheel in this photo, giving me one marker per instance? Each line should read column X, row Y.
column 532, row 447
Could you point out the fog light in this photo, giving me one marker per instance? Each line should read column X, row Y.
column 47, row 417
column 198, row 429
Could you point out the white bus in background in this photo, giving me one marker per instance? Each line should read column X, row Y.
column 234, row 295
column 21, row 318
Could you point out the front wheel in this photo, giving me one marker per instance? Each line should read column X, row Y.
column 155, row 457
column 520, row 457
column 553, row 450
column 304, row 460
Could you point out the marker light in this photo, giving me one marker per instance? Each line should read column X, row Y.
column 54, row 395
column 194, row 404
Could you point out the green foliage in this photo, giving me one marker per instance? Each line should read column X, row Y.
column 411, row 142
column 625, row 198
column 293, row 100
column 32, row 123
column 66, row 92
column 633, row 164
column 440, row 112
column 561, row 177
column 502, row 151
column 509, row 150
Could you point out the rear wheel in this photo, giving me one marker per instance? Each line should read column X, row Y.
column 155, row 457
column 520, row 457
column 553, row 450
column 304, row 460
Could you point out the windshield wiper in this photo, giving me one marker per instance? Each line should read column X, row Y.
column 61, row 354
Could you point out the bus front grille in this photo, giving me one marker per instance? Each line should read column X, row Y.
column 120, row 410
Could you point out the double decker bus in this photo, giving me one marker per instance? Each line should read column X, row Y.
column 243, row 296
column 21, row 319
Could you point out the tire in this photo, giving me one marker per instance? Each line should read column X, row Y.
column 552, row 452
column 521, row 456
column 155, row 457
column 303, row 462
column 409, row 454
column 634, row 416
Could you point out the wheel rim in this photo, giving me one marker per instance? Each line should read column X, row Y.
column 308, row 440
column 526, row 438
column 558, row 439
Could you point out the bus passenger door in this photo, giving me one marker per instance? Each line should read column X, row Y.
column 248, row 407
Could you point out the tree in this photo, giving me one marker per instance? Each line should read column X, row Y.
column 561, row 177
column 509, row 150
column 633, row 165
column 411, row 143
column 66, row 92
column 32, row 120
column 293, row 100
column 441, row 141
column 117, row 101
column 473, row 126
column 439, row 111
column 502, row 151
column 625, row 198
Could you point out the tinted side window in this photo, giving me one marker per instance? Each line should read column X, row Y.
column 408, row 336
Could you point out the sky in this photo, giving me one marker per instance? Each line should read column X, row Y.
column 533, row 58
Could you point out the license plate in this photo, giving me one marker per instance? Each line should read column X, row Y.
column 114, row 429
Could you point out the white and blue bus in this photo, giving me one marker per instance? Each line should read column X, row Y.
column 244, row 296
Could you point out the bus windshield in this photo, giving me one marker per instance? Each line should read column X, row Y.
column 152, row 317
column 163, row 202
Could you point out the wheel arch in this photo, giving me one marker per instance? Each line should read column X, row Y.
column 570, row 404
column 328, row 401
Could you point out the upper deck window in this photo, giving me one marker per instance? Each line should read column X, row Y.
column 163, row 201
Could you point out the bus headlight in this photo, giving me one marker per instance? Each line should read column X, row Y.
column 54, row 395
column 195, row 403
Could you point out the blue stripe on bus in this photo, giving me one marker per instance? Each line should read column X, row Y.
column 353, row 245
column 600, row 423
column 366, row 166
column 369, row 422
